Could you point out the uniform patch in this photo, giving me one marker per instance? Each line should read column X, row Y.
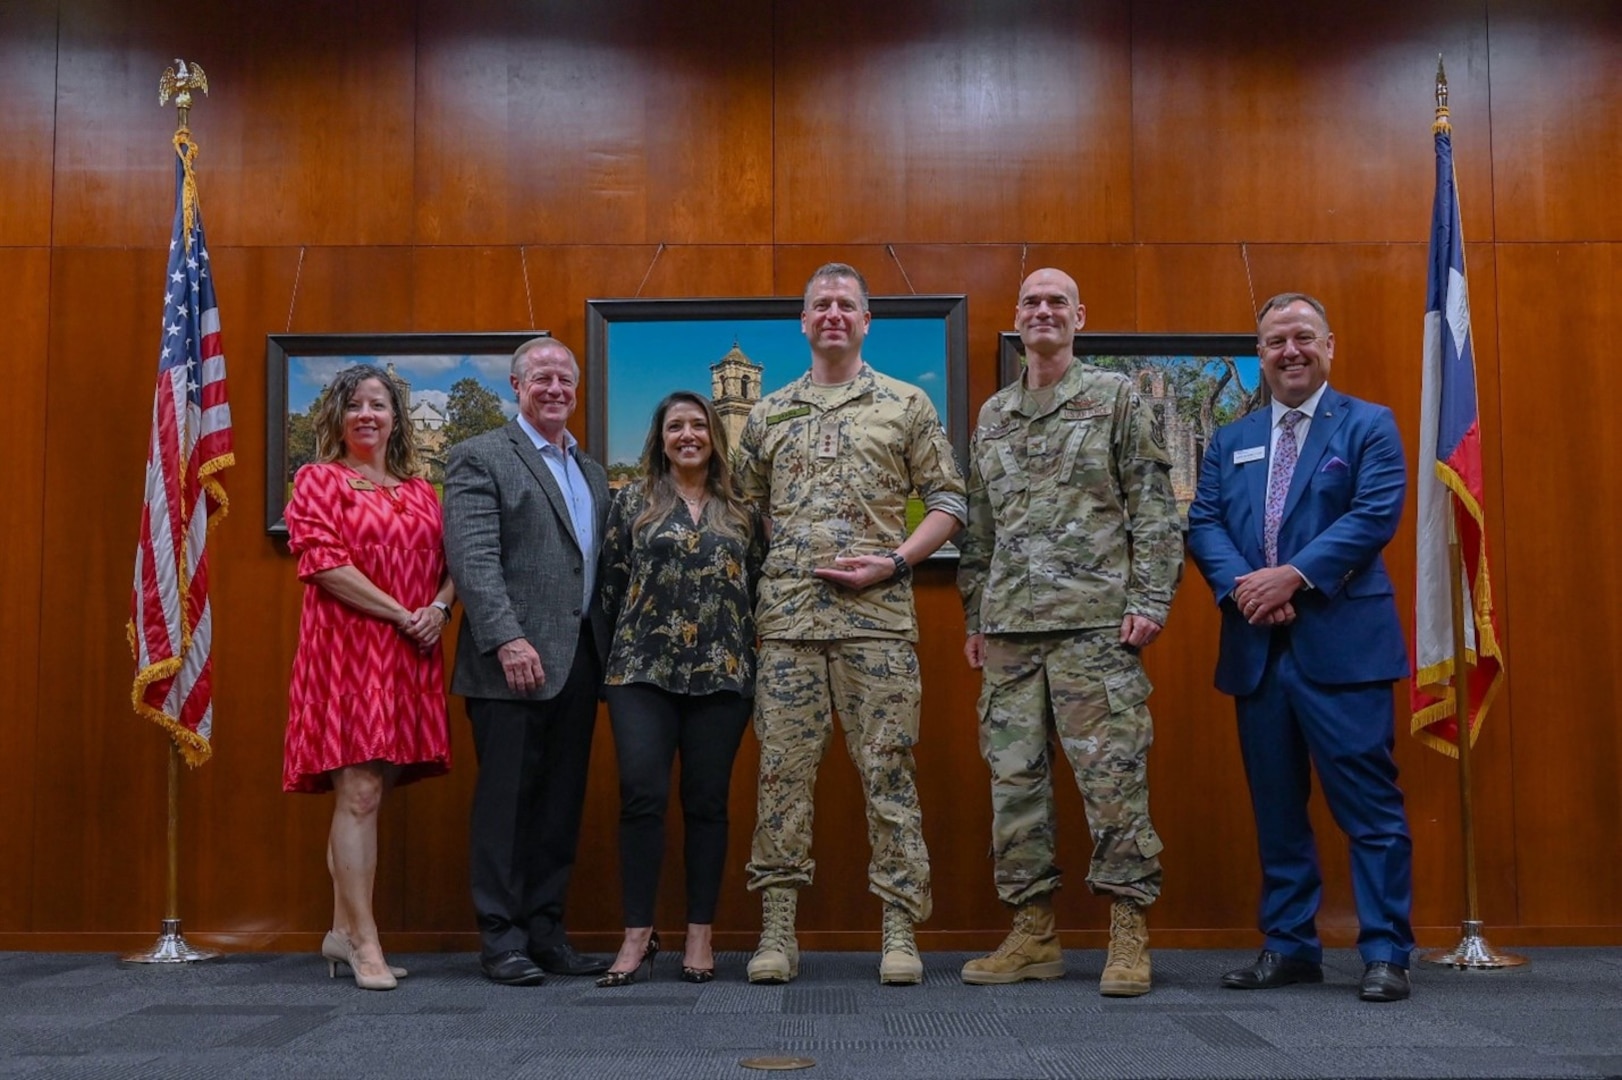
column 1084, row 409
column 789, row 414
column 1157, row 426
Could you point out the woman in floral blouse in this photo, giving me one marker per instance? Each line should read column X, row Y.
column 681, row 558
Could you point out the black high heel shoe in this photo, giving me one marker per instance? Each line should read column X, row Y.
column 697, row 974
column 626, row 978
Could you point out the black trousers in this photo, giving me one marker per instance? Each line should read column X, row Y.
column 650, row 727
column 533, row 757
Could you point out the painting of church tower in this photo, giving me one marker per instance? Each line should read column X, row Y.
column 734, row 387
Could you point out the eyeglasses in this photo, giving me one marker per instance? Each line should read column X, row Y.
column 1304, row 340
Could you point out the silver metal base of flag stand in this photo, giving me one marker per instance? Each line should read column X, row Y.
column 1472, row 953
column 170, row 948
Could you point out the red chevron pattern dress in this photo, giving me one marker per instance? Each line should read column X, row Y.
column 361, row 690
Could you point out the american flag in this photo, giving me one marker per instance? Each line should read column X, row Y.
column 171, row 625
column 1450, row 486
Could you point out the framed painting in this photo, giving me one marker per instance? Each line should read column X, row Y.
column 456, row 386
column 738, row 350
column 1195, row 383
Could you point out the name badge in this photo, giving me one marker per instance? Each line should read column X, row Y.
column 828, row 439
column 789, row 414
column 1254, row 453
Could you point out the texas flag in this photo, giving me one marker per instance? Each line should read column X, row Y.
column 1450, row 488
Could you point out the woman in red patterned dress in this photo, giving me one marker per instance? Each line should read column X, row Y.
column 367, row 700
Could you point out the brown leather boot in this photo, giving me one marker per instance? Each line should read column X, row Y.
column 1127, row 971
column 1030, row 951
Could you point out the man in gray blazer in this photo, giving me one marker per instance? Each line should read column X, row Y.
column 524, row 517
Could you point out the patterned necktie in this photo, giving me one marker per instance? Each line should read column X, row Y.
column 1278, row 482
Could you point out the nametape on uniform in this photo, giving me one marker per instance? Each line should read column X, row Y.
column 789, row 414
column 1254, row 453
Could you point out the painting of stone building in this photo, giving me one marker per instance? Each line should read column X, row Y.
column 735, row 382
column 736, row 359
column 1194, row 383
column 455, row 385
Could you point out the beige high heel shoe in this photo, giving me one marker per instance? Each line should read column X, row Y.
column 336, row 949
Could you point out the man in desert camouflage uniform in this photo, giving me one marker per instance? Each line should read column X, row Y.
column 830, row 460
column 1069, row 562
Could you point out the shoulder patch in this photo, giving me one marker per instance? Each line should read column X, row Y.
column 789, row 414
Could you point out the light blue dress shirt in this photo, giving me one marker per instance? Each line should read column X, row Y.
column 577, row 494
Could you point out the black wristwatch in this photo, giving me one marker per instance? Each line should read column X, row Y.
column 903, row 569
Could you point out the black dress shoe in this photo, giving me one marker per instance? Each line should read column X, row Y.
column 512, row 969
column 562, row 959
column 1384, row 981
column 1273, row 969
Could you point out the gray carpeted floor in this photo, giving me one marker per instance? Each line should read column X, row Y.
column 256, row 1015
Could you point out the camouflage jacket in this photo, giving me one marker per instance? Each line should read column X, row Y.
column 832, row 468
column 1072, row 521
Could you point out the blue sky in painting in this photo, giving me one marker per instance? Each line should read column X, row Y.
column 647, row 360
column 431, row 377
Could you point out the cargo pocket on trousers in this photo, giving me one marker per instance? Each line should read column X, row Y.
column 1128, row 689
column 1149, row 843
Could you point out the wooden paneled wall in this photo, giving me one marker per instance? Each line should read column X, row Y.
column 458, row 165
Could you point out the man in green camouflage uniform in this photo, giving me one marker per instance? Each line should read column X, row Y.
column 1069, row 562
column 830, row 460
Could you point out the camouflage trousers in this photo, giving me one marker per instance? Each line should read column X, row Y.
column 1089, row 691
column 873, row 684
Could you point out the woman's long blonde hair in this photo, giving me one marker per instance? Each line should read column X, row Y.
column 726, row 510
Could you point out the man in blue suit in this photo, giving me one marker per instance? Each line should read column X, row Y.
column 1294, row 505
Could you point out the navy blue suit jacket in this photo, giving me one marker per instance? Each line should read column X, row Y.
column 1344, row 503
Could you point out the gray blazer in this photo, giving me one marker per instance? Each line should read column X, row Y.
column 516, row 562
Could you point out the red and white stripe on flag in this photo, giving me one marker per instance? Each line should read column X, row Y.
column 171, row 622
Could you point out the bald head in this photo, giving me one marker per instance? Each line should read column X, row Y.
column 1049, row 313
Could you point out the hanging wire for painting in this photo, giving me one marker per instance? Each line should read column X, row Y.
column 293, row 301
column 644, row 281
column 523, row 262
column 897, row 260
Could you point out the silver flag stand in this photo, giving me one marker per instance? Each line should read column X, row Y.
column 1472, row 953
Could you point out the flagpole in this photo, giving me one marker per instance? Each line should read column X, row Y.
column 1473, row 951
column 172, row 946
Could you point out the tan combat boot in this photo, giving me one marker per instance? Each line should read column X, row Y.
column 1030, row 951
column 900, row 965
column 1126, row 971
column 777, row 960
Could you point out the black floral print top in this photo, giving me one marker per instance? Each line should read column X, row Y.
column 682, row 600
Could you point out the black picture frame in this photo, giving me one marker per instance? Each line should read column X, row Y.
column 701, row 328
column 450, row 356
column 1177, row 359
column 729, row 314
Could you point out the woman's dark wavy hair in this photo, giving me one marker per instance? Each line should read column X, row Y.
column 400, row 457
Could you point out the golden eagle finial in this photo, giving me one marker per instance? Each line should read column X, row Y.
column 179, row 81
